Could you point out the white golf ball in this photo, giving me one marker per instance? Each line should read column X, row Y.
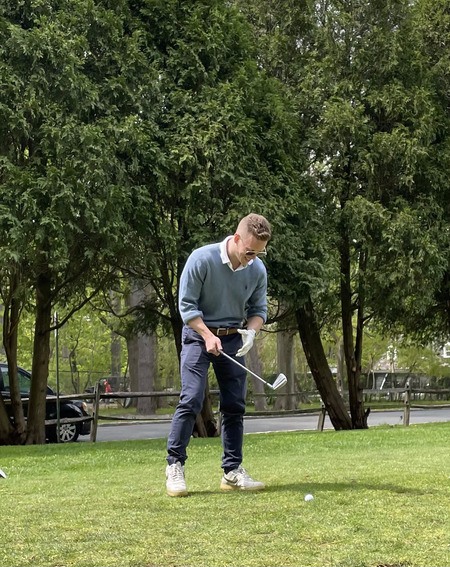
column 308, row 497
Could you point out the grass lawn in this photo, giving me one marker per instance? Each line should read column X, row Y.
column 381, row 498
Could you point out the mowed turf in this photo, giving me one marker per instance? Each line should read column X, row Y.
column 381, row 498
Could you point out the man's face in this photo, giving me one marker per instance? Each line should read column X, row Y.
column 248, row 247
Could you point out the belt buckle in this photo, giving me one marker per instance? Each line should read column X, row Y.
column 219, row 329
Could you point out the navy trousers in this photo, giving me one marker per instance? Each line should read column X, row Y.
column 195, row 362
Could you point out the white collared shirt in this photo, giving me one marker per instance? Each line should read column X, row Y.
column 226, row 259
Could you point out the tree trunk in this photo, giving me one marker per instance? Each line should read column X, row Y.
column 39, row 368
column 74, row 373
column 142, row 357
column 2, row 348
column 315, row 355
column 205, row 423
column 286, row 398
column 353, row 352
column 116, row 344
column 340, row 371
column 11, row 317
column 255, row 364
column 116, row 355
column 142, row 365
column 7, row 431
column 177, row 329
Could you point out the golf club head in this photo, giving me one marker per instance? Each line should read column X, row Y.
column 2, row 474
column 280, row 381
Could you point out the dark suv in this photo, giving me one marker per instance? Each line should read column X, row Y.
column 68, row 432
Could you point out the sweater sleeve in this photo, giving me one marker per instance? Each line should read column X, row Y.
column 191, row 282
column 257, row 304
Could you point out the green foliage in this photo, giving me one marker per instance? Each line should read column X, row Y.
column 373, row 133
column 411, row 255
column 426, row 362
column 85, row 352
column 204, row 152
column 63, row 195
column 132, row 132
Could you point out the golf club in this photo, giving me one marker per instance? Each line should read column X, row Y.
column 279, row 381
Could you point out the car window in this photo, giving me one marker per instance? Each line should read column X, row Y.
column 5, row 378
column 24, row 381
column 2, row 383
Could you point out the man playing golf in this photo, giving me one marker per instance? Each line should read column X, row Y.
column 222, row 286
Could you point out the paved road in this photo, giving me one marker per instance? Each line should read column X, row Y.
column 160, row 429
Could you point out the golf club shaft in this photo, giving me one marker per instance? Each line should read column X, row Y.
column 245, row 368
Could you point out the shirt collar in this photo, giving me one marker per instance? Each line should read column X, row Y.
column 225, row 258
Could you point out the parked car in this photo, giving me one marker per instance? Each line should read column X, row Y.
column 68, row 432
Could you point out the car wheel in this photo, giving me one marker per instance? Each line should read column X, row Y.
column 68, row 433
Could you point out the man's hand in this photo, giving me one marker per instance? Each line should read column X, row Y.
column 248, row 336
column 213, row 345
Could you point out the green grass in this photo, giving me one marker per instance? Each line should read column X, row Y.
column 382, row 497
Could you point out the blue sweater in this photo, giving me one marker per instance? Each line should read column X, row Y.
column 221, row 297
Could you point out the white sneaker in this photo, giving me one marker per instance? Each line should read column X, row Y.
column 239, row 479
column 175, row 483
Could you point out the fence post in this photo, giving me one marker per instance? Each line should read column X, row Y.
column 322, row 415
column 407, row 408
column 95, row 411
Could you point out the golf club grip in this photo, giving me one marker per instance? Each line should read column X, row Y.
column 242, row 366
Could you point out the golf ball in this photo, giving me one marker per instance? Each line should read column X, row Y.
column 308, row 497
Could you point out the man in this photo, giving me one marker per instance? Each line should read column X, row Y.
column 223, row 286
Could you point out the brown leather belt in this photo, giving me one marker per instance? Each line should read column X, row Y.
column 221, row 331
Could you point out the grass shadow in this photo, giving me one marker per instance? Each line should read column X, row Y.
column 314, row 487
column 346, row 486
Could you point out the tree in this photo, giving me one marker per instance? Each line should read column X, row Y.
column 420, row 309
column 304, row 261
column 12, row 295
column 142, row 357
column 196, row 154
column 363, row 96
column 62, row 99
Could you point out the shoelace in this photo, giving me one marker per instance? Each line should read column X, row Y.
column 177, row 474
column 244, row 473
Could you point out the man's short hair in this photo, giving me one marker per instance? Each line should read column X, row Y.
column 256, row 225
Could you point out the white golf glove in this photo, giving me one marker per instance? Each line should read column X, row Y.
column 248, row 336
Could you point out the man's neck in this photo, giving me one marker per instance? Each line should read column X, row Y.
column 231, row 251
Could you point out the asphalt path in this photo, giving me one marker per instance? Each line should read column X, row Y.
column 154, row 429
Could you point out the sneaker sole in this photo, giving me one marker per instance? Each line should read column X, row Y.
column 177, row 493
column 224, row 486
